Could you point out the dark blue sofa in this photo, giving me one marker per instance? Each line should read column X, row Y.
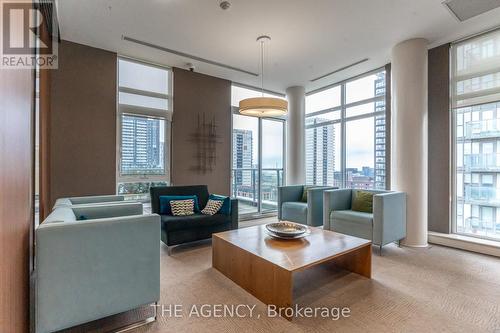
column 177, row 230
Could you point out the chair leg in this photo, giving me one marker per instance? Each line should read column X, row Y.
column 169, row 250
column 380, row 250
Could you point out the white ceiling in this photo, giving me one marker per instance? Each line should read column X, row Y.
column 309, row 37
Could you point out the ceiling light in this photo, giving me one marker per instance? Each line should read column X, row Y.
column 263, row 106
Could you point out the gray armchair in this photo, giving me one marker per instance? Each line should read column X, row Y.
column 386, row 224
column 291, row 207
column 94, row 261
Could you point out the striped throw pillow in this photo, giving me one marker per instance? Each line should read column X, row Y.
column 182, row 207
column 212, row 207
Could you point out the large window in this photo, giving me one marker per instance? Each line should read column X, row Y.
column 475, row 86
column 346, row 134
column 144, row 127
column 258, row 146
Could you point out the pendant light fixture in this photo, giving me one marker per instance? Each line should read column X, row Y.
column 263, row 106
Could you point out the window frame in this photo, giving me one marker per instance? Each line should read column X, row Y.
column 344, row 119
column 458, row 130
column 140, row 111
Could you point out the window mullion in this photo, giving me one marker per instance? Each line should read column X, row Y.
column 343, row 153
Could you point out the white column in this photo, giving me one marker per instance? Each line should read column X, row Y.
column 295, row 136
column 409, row 135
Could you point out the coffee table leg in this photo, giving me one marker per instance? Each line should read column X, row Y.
column 269, row 283
column 358, row 261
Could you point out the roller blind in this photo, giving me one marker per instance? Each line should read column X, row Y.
column 476, row 70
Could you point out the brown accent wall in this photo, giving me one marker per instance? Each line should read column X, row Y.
column 82, row 130
column 201, row 155
column 16, row 197
column 439, row 139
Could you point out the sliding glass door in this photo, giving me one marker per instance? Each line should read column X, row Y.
column 245, row 177
column 272, row 135
column 258, row 158
column 475, row 87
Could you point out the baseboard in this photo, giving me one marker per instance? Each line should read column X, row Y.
column 472, row 244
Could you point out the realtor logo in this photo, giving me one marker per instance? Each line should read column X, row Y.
column 27, row 39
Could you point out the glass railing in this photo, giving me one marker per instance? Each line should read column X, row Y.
column 482, row 129
column 482, row 228
column 482, row 194
column 245, row 187
column 482, row 162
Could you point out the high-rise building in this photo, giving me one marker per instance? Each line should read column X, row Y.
column 242, row 156
column 380, row 144
column 320, row 153
column 478, row 170
column 141, row 145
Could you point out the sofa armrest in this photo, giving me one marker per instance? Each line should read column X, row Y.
column 315, row 205
column 234, row 214
column 106, row 211
column 335, row 200
column 389, row 217
column 62, row 202
column 86, row 270
column 291, row 193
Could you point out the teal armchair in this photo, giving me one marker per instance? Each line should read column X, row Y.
column 291, row 207
column 386, row 224
column 94, row 261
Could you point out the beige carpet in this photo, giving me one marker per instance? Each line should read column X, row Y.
column 412, row 290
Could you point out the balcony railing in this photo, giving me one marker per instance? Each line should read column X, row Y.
column 479, row 227
column 482, row 195
column 482, row 162
column 482, row 129
column 245, row 187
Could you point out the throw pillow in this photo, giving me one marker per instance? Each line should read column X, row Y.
column 226, row 203
column 363, row 202
column 182, row 207
column 165, row 208
column 212, row 207
column 304, row 192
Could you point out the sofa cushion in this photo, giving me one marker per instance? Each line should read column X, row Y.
column 305, row 190
column 172, row 223
column 362, row 202
column 226, row 203
column 182, row 207
column 212, row 207
column 201, row 191
column 351, row 215
column 294, row 211
column 166, row 209
column 352, row 223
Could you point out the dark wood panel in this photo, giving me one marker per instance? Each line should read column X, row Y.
column 44, row 137
column 82, row 126
column 16, row 186
column 439, row 139
column 197, row 157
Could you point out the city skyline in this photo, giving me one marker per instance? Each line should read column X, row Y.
column 143, row 145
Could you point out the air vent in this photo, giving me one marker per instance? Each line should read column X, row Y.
column 466, row 9
column 339, row 70
column 186, row 55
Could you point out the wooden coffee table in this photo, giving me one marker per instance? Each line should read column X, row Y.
column 264, row 266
